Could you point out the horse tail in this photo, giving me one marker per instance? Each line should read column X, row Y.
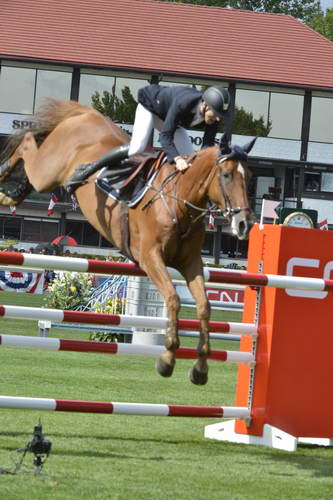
column 48, row 116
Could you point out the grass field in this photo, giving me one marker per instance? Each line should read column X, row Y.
column 123, row 457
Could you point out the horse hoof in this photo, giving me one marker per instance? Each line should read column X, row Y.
column 163, row 368
column 198, row 378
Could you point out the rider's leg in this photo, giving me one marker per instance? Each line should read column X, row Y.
column 143, row 125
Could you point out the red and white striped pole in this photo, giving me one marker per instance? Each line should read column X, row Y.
column 211, row 275
column 118, row 348
column 156, row 410
column 58, row 315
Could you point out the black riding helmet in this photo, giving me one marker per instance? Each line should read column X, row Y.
column 218, row 99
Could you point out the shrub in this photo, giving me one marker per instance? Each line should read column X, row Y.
column 69, row 291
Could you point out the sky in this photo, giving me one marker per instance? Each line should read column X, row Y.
column 326, row 4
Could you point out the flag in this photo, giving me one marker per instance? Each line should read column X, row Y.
column 53, row 201
column 13, row 209
column 323, row 224
column 211, row 224
column 268, row 210
column 74, row 203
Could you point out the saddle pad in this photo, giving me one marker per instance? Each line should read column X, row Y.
column 111, row 189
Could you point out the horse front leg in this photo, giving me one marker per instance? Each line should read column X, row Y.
column 195, row 282
column 152, row 263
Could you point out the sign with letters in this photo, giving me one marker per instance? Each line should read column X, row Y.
column 11, row 122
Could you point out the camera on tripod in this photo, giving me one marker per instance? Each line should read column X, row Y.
column 38, row 445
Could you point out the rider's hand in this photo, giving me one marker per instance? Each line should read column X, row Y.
column 181, row 164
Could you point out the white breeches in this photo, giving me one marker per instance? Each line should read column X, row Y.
column 145, row 122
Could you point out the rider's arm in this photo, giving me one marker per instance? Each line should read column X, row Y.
column 209, row 135
column 168, row 130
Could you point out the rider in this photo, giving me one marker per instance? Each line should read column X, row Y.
column 170, row 110
column 173, row 109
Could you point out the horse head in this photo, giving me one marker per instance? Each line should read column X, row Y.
column 231, row 190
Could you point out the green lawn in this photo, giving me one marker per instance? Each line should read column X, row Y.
column 132, row 457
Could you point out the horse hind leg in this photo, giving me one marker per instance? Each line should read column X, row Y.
column 7, row 167
column 16, row 185
column 32, row 177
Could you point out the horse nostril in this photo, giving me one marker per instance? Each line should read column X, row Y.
column 244, row 227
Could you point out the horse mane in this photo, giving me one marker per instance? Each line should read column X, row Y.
column 48, row 116
column 207, row 154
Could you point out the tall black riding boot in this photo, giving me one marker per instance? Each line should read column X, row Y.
column 111, row 159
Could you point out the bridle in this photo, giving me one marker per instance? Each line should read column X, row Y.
column 228, row 210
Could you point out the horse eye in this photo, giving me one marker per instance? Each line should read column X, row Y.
column 227, row 175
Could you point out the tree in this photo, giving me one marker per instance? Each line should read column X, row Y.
column 209, row 3
column 245, row 124
column 303, row 10
column 323, row 24
column 119, row 110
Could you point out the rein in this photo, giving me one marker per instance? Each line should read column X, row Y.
column 227, row 212
column 161, row 195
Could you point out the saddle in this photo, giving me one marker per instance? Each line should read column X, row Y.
column 129, row 181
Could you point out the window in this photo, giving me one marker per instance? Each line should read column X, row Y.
column 90, row 235
column 74, row 228
column 44, row 230
column 89, row 84
column 311, row 181
column 22, row 89
column 106, row 243
column 251, row 107
column 17, row 86
column 268, row 113
column 316, row 180
column 56, row 84
column 321, row 119
column 82, row 232
column 327, row 182
column 10, row 228
column 133, row 84
column 125, row 91
column 285, row 114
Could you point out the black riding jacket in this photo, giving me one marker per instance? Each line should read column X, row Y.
column 176, row 106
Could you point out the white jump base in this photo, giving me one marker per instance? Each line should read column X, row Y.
column 272, row 437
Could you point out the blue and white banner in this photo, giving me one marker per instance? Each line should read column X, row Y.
column 15, row 281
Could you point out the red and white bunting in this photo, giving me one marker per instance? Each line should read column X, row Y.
column 211, row 220
column 323, row 224
column 53, row 201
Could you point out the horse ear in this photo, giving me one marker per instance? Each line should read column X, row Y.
column 225, row 144
column 247, row 148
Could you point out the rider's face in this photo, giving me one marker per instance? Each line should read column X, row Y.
column 210, row 117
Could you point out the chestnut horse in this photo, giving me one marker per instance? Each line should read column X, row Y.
column 166, row 228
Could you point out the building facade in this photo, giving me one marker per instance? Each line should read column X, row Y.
column 278, row 72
